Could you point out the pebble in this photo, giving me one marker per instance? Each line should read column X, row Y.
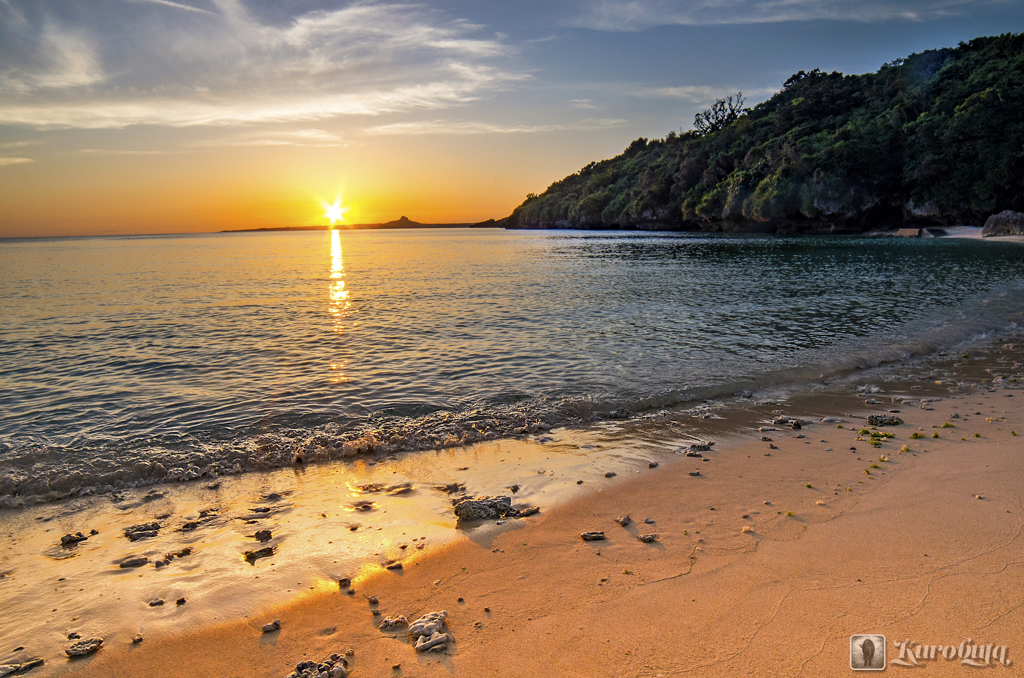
column 334, row 666
column 252, row 556
column 592, row 536
column 141, row 531
column 262, row 535
column 610, row 474
column 83, row 647
column 8, row 669
column 392, row 623
column 648, row 538
column 180, row 601
column 653, row 464
column 272, row 626
column 649, row 521
column 137, row 639
column 372, row 600
column 623, row 520
column 156, row 602
column 72, row 539
column 134, row 561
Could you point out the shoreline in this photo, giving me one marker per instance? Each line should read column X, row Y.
column 537, row 577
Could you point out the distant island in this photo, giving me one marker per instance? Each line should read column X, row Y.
column 403, row 222
column 935, row 139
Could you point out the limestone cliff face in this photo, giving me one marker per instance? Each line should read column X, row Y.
column 933, row 139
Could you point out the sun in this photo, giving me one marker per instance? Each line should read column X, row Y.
column 335, row 212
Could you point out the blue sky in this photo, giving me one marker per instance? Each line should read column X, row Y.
column 490, row 99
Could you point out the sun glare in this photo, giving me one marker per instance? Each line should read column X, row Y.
column 335, row 212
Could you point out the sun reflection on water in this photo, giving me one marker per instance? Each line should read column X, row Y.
column 338, row 301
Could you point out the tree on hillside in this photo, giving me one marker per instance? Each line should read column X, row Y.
column 722, row 113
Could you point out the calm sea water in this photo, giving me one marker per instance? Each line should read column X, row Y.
column 134, row 360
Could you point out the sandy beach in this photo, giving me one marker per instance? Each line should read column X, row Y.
column 764, row 564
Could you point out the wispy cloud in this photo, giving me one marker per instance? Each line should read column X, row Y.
column 176, row 5
column 183, row 68
column 120, row 151
column 316, row 138
column 637, row 15
column 14, row 161
column 18, row 144
column 705, row 93
column 463, row 128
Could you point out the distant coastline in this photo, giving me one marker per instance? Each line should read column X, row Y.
column 403, row 222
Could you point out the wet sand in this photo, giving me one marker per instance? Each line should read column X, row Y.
column 765, row 563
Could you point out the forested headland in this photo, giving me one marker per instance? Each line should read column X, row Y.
column 936, row 138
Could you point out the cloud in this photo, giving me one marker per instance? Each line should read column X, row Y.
column 65, row 59
column 19, row 144
column 464, row 128
column 14, row 161
column 638, row 15
column 176, row 5
column 705, row 93
column 316, row 138
column 234, row 67
column 114, row 151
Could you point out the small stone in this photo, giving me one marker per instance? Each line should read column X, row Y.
column 592, row 536
column 393, row 565
column 610, row 474
column 141, row 531
column 513, row 489
column 134, row 561
column 156, row 602
column 372, row 600
column 72, row 539
column 653, row 464
column 74, row 635
column 31, row 664
column 83, row 647
column 272, row 626
column 262, row 535
column 189, row 526
column 252, row 556
column 136, row 639
column 694, row 473
column 392, row 623
column 435, row 641
column 649, row 521
column 883, row 420
column 623, row 520
column 648, row 538
column 344, row 583
column 180, row 601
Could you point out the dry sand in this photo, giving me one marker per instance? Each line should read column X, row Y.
column 925, row 548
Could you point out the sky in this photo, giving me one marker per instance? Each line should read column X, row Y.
column 159, row 116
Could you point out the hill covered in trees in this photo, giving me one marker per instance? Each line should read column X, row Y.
column 936, row 138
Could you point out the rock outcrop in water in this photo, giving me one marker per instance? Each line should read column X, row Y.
column 1006, row 222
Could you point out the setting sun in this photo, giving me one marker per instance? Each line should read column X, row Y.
column 335, row 212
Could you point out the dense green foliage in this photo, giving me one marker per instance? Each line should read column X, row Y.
column 937, row 137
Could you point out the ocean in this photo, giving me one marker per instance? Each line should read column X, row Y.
column 129, row 361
